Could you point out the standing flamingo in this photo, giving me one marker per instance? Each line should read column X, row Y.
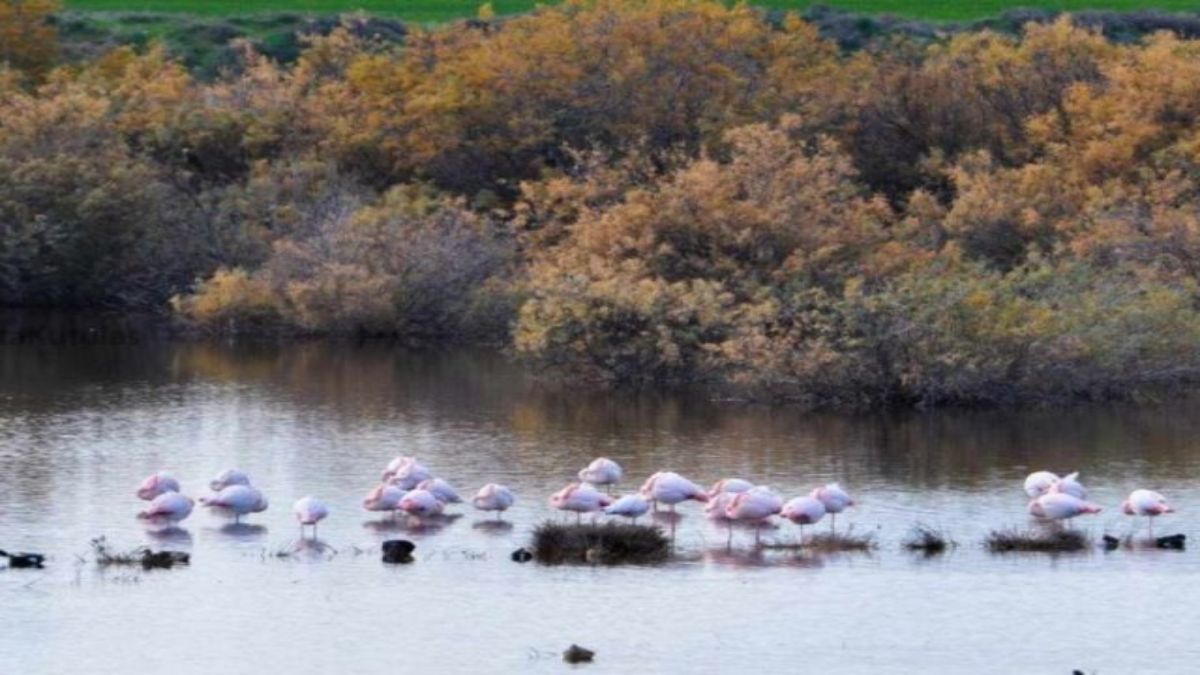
column 580, row 498
column 730, row 486
column 1070, row 485
column 753, row 506
column 440, row 489
column 227, row 478
column 493, row 497
column 670, row 488
column 835, row 500
column 168, row 507
column 1060, row 506
column 408, row 474
column 309, row 511
column 157, row 484
column 715, row 508
column 1039, row 483
column 804, row 511
column 384, row 498
column 1146, row 503
column 238, row 500
column 602, row 471
column 629, row 506
column 421, row 504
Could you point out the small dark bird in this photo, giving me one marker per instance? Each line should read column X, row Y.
column 577, row 654
column 1174, row 541
column 398, row 551
column 521, row 555
column 24, row 560
column 1111, row 543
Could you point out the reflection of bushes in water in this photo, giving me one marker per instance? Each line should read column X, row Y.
column 831, row 542
column 604, row 544
column 105, row 556
column 1037, row 541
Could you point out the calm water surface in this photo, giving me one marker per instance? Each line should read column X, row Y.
column 81, row 426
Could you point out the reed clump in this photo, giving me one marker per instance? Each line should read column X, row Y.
column 1032, row 541
column 928, row 540
column 602, row 544
column 839, row 542
column 107, row 557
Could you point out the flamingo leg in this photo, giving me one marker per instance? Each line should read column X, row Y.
column 729, row 539
column 757, row 535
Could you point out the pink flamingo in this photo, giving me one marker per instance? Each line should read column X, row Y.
column 580, row 498
column 309, row 511
column 168, row 507
column 729, row 485
column 493, row 497
column 835, row 500
column 804, row 511
column 408, row 474
column 238, row 500
column 753, row 506
column 602, row 471
column 1060, row 506
column 157, row 484
column 1146, row 503
column 384, row 498
column 629, row 506
column 715, row 508
column 1070, row 485
column 421, row 504
column 670, row 488
column 227, row 478
column 440, row 489
column 1039, row 483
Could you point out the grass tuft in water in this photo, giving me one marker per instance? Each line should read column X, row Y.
column 604, row 544
column 928, row 540
column 837, row 542
column 106, row 557
column 1031, row 541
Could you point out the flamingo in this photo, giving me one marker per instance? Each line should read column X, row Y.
column 157, row 484
column 394, row 466
column 580, row 498
column 1146, row 503
column 804, row 511
column 1039, row 483
column 729, row 485
column 1060, row 506
column 238, row 500
column 309, row 511
column 383, row 498
column 670, row 488
column 228, row 477
column 493, row 497
column 168, row 507
column 1070, row 485
column 409, row 474
column 629, row 506
column 440, row 489
column 421, row 504
column 754, row 505
column 835, row 500
column 602, row 471
column 715, row 508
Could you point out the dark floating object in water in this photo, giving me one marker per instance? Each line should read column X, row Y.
column 1111, row 543
column 28, row 560
column 398, row 551
column 164, row 559
column 928, row 540
column 577, row 654
column 521, row 555
column 1060, row 541
column 606, row 544
column 1173, row 541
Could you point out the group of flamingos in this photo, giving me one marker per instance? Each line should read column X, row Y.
column 1061, row 499
column 408, row 487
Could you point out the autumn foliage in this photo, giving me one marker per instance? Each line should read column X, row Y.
column 644, row 192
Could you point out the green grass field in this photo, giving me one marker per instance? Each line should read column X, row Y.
column 442, row 10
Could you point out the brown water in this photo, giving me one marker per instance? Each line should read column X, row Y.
column 81, row 426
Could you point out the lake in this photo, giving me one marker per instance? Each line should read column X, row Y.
column 81, row 426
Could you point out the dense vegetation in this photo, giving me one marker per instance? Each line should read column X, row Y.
column 640, row 192
column 445, row 10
